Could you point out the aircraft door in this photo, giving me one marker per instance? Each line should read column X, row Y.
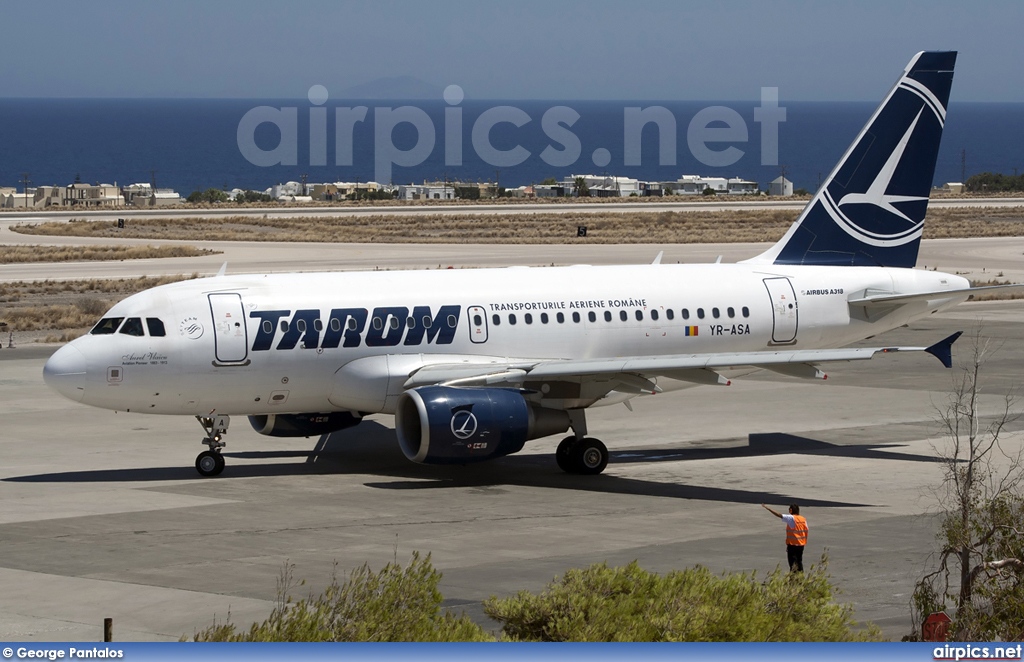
column 785, row 313
column 477, row 324
column 230, row 338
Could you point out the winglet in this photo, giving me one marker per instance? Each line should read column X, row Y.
column 657, row 260
column 943, row 350
column 223, row 270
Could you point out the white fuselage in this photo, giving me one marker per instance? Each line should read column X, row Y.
column 320, row 342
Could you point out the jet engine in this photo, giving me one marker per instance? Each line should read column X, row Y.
column 456, row 425
column 303, row 425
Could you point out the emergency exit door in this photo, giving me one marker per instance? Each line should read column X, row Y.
column 785, row 313
column 230, row 339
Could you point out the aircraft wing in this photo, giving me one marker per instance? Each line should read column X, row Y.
column 633, row 372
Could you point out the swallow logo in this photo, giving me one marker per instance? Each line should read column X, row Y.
column 463, row 424
column 906, row 228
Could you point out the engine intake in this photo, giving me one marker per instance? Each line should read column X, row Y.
column 453, row 425
column 303, row 425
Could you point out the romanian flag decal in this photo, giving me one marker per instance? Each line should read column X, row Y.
column 691, row 330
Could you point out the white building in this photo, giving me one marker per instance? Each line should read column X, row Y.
column 604, row 186
column 780, row 186
column 143, row 195
column 427, row 191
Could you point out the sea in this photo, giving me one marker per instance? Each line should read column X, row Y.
column 195, row 144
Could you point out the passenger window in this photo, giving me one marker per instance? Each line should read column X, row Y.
column 378, row 323
column 411, row 322
column 393, row 322
column 284, row 326
column 496, row 319
column 592, row 316
column 268, row 327
column 106, row 326
column 654, row 315
column 746, row 311
column 731, row 312
column 561, row 318
column 452, row 321
column 576, row 317
column 700, row 313
column 686, row 313
column 351, row 324
column 511, row 318
column 607, row 316
column 301, row 326
column 671, row 314
column 623, row 316
column 132, row 327
column 156, row 327
column 714, row 313
column 335, row 325
column 543, row 318
column 639, row 316
column 427, row 321
column 477, row 320
column 528, row 318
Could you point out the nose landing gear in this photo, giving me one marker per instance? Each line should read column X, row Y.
column 211, row 462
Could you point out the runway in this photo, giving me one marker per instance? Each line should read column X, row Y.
column 103, row 514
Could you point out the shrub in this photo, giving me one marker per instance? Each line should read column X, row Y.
column 394, row 604
column 631, row 604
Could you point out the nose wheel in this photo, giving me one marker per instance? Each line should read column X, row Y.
column 211, row 462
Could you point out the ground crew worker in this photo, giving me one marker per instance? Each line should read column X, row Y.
column 796, row 536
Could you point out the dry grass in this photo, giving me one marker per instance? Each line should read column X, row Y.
column 73, row 306
column 18, row 254
column 604, row 227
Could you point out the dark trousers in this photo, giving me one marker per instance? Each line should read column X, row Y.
column 795, row 556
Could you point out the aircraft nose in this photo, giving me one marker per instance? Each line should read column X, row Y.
column 65, row 372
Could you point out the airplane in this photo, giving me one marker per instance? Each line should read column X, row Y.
column 475, row 363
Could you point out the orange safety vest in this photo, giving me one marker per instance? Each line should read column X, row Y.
column 798, row 534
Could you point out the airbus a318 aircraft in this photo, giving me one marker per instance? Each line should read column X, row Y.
column 475, row 363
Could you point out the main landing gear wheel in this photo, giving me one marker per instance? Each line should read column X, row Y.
column 210, row 463
column 590, row 456
column 563, row 455
column 585, row 456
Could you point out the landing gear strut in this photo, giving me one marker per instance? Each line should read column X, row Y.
column 579, row 454
column 211, row 462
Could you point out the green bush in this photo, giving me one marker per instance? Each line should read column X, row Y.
column 395, row 604
column 631, row 604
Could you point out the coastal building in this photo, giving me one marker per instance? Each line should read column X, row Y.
column 143, row 195
column 697, row 184
column 427, row 191
column 93, row 195
column 780, row 186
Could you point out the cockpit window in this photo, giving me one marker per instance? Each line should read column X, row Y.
column 106, row 326
column 132, row 327
column 156, row 327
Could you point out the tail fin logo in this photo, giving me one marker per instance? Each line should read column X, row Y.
column 884, row 202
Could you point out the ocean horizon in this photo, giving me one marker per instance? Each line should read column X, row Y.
column 193, row 144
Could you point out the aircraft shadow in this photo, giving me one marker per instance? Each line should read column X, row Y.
column 372, row 449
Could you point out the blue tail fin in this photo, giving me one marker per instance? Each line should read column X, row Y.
column 870, row 211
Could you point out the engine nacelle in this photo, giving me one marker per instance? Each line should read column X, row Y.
column 303, row 425
column 453, row 425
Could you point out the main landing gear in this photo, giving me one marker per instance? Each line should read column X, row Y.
column 579, row 454
column 211, row 462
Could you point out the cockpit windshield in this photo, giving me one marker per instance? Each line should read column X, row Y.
column 132, row 327
column 106, row 326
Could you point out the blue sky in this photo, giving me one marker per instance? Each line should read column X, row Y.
column 527, row 49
